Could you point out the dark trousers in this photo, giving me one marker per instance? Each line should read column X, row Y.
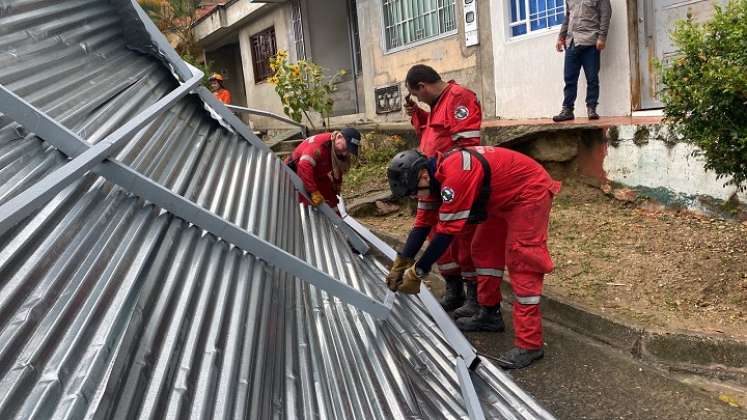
column 576, row 57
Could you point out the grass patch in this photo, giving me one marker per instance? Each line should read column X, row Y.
column 369, row 171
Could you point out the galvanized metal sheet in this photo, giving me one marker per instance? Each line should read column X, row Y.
column 111, row 307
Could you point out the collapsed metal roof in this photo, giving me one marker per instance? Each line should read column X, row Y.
column 155, row 263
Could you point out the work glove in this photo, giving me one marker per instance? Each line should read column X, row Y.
column 394, row 278
column 317, row 199
column 411, row 281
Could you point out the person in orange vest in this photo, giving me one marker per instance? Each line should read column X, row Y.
column 453, row 120
column 321, row 161
column 506, row 197
column 220, row 92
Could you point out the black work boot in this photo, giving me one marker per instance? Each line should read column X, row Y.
column 488, row 318
column 565, row 115
column 591, row 111
column 454, row 296
column 470, row 307
column 518, row 358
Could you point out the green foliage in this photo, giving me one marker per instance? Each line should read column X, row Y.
column 176, row 18
column 705, row 92
column 302, row 87
column 373, row 160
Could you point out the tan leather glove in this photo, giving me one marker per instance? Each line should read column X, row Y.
column 394, row 278
column 317, row 199
column 411, row 281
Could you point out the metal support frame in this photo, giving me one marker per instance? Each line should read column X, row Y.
column 466, row 356
column 184, row 71
column 474, row 409
column 268, row 114
column 85, row 157
column 72, row 145
column 355, row 240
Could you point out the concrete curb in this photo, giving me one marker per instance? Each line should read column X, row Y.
column 688, row 352
column 679, row 351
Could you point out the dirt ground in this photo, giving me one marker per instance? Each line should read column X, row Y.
column 658, row 268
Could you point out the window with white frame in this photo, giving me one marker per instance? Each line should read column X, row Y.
column 410, row 21
column 535, row 15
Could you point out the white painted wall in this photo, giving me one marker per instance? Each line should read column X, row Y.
column 659, row 165
column 529, row 72
column 262, row 95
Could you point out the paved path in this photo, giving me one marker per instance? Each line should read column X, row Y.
column 580, row 379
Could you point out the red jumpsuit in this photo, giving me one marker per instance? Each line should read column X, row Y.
column 313, row 159
column 514, row 234
column 454, row 121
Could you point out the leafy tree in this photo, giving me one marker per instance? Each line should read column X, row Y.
column 303, row 87
column 705, row 93
column 176, row 19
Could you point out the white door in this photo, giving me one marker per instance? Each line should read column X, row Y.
column 656, row 19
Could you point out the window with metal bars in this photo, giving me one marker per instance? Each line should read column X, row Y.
column 263, row 48
column 535, row 15
column 410, row 21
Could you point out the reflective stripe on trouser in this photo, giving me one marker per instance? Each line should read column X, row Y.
column 527, row 316
column 489, row 256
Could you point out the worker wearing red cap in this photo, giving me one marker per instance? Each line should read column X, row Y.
column 453, row 121
column 321, row 161
column 220, row 92
column 507, row 196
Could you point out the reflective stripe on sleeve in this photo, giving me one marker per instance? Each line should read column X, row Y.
column 309, row 159
column 489, row 272
column 448, row 217
column 466, row 160
column 528, row 300
column 465, row 135
column 427, row 205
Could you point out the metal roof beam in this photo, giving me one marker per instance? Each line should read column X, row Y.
column 71, row 144
column 466, row 356
column 85, row 157
column 218, row 107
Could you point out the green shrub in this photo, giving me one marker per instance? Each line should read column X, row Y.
column 705, row 93
column 369, row 171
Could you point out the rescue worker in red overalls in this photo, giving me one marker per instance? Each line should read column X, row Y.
column 453, row 121
column 321, row 161
column 507, row 196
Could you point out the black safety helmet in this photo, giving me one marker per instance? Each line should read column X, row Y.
column 404, row 171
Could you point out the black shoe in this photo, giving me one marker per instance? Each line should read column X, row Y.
column 518, row 358
column 470, row 307
column 565, row 115
column 454, row 296
column 488, row 318
column 591, row 111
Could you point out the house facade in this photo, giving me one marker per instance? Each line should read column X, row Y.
column 504, row 50
column 375, row 41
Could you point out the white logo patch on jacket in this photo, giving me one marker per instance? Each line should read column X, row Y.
column 447, row 195
column 461, row 112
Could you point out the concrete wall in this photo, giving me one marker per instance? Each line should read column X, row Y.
column 262, row 95
column 656, row 164
column 328, row 45
column 529, row 72
column 447, row 55
column 649, row 156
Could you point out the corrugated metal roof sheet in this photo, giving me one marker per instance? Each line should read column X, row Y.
column 113, row 308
